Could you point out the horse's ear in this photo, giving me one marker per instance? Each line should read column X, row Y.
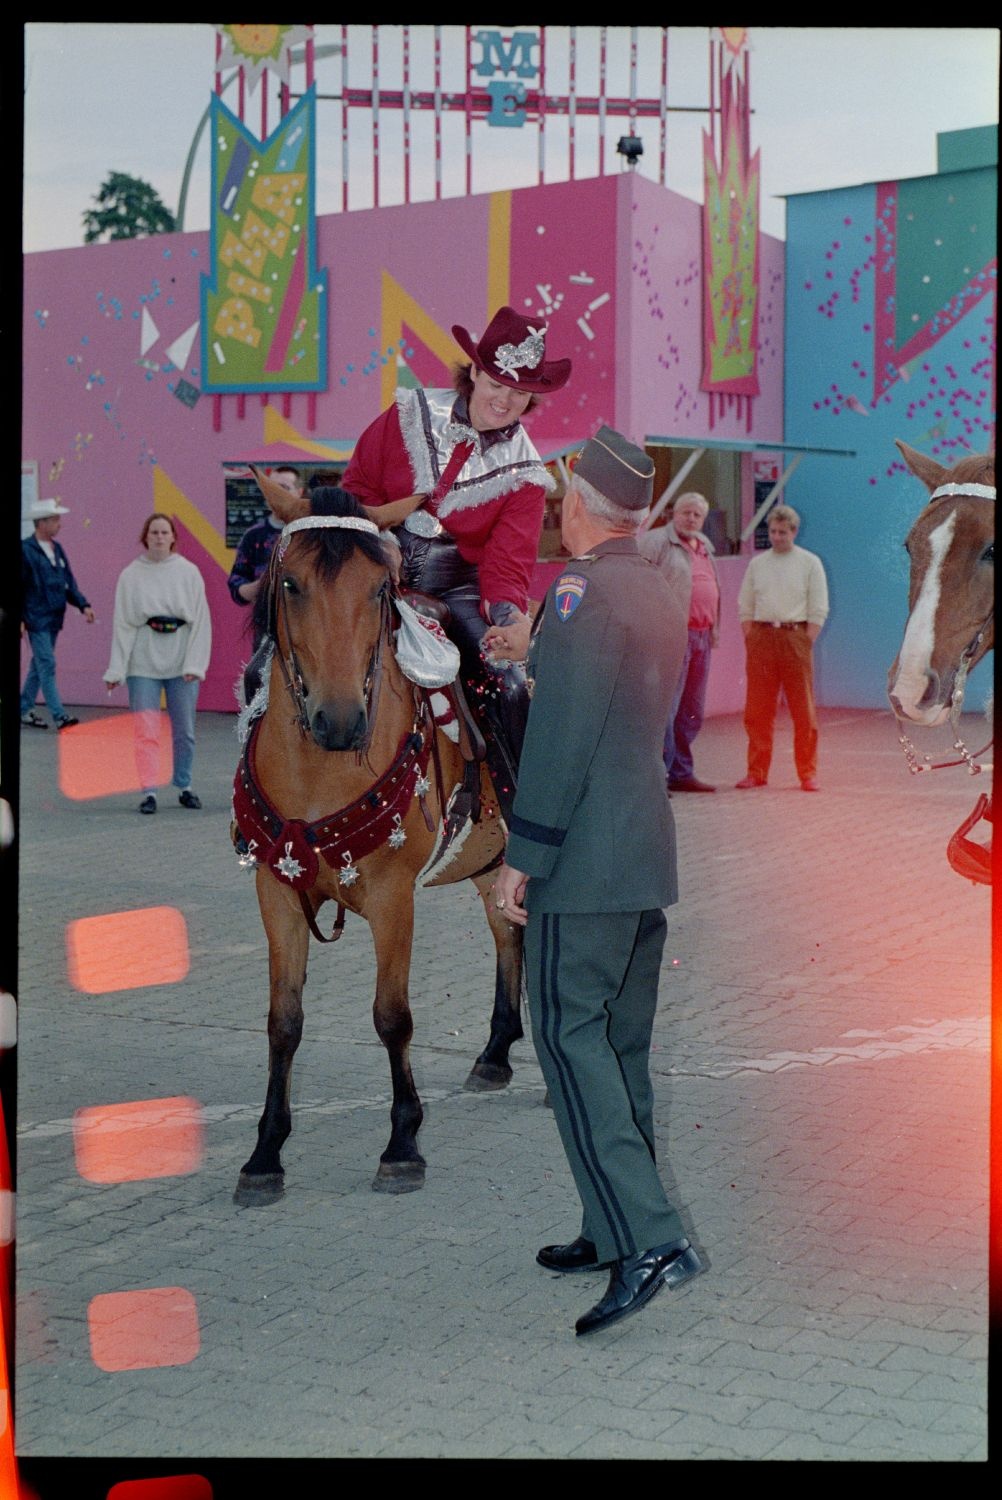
column 927, row 469
column 286, row 507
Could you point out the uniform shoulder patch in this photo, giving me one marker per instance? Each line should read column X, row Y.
column 569, row 592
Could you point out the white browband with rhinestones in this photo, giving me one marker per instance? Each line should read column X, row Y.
column 349, row 523
column 976, row 491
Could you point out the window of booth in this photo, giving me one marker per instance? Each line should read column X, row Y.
column 245, row 504
column 549, row 538
column 717, row 477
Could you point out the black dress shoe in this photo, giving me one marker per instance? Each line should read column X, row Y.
column 690, row 784
column 579, row 1255
column 188, row 799
column 148, row 804
column 635, row 1280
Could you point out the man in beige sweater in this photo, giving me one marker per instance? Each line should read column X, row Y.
column 783, row 604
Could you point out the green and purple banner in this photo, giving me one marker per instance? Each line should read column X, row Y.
column 730, row 260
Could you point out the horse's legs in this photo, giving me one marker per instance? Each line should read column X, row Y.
column 492, row 1069
column 261, row 1176
column 401, row 1166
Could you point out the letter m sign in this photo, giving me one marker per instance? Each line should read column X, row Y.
column 507, row 55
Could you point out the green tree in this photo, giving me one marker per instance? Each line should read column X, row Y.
column 127, row 208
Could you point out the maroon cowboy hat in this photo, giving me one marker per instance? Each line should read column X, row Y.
column 512, row 350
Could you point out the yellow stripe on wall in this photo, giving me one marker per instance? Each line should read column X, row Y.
column 498, row 252
column 399, row 306
column 278, row 429
column 175, row 503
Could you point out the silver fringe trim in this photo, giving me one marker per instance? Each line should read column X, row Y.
column 505, row 467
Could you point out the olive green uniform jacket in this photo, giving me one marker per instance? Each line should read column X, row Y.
column 592, row 825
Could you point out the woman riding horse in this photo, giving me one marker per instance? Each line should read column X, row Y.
column 455, row 475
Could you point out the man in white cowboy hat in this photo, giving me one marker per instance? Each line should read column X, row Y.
column 47, row 586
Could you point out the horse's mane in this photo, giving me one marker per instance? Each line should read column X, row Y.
column 328, row 547
column 978, row 469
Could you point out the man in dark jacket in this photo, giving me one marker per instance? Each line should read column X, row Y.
column 257, row 542
column 591, row 864
column 47, row 586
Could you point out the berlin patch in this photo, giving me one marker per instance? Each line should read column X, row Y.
column 569, row 593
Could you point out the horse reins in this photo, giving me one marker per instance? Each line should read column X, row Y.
column 291, row 670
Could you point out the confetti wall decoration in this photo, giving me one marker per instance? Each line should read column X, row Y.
column 891, row 332
column 115, row 379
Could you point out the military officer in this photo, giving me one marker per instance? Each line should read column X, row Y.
column 590, row 865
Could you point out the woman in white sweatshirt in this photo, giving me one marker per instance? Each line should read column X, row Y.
column 162, row 638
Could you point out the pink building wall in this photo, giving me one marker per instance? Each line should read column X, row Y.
column 611, row 264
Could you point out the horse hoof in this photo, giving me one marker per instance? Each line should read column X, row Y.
column 399, row 1177
column 487, row 1078
column 255, row 1191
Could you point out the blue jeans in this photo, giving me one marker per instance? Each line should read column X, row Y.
column 42, row 674
column 686, row 718
column 144, row 700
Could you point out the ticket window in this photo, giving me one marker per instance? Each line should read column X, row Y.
column 550, row 547
column 245, row 503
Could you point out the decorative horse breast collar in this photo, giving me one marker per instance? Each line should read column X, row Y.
column 291, row 848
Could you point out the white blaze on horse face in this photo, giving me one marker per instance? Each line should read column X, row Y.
column 915, row 658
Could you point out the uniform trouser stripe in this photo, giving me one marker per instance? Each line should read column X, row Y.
column 626, row 1082
column 577, row 1114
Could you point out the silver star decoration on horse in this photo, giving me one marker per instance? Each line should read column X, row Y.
column 397, row 838
column 422, row 786
column 349, row 874
column 248, row 859
column 288, row 865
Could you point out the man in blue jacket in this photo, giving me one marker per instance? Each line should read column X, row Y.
column 590, row 865
column 47, row 586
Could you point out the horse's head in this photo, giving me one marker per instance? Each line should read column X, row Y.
column 952, row 586
column 325, row 608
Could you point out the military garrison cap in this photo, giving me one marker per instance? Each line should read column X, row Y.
column 618, row 469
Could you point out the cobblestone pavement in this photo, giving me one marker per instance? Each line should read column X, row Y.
column 821, row 1081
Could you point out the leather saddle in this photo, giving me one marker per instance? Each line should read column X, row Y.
column 471, row 740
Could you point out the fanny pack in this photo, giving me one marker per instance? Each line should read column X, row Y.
column 165, row 624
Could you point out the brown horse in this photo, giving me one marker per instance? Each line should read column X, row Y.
column 952, row 588
column 951, row 623
column 356, row 782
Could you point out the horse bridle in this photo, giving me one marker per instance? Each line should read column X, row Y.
column 966, row 757
column 292, row 672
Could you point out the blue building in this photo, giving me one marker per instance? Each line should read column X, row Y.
column 891, row 322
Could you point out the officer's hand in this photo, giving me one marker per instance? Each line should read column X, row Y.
column 508, row 894
column 88, row 615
